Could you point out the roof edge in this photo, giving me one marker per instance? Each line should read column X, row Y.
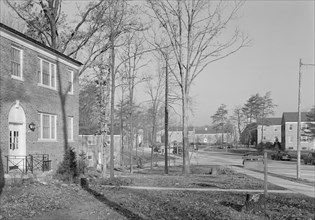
column 5, row 27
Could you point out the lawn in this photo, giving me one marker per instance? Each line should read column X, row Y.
column 200, row 177
column 56, row 200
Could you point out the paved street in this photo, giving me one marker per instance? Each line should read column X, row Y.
column 286, row 168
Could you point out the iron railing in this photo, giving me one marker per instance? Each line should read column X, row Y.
column 30, row 163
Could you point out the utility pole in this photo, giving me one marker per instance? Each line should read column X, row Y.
column 166, row 113
column 298, row 168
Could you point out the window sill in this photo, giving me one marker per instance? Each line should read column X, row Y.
column 17, row 78
column 47, row 87
column 44, row 140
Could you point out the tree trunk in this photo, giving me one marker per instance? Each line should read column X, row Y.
column 186, row 168
column 62, row 97
column 121, row 135
column 112, row 107
column 166, row 115
column 262, row 133
column 153, row 137
column 131, row 128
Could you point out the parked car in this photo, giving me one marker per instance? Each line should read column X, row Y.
column 310, row 158
column 178, row 149
column 252, row 157
column 281, row 155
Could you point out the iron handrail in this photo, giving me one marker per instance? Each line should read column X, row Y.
column 28, row 163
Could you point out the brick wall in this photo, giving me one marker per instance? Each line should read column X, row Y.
column 269, row 133
column 34, row 99
column 290, row 137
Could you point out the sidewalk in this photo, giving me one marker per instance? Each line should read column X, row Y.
column 290, row 185
column 287, row 184
column 202, row 189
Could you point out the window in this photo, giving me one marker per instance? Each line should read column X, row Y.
column 91, row 140
column 289, row 139
column 14, row 140
column 47, row 74
column 305, row 139
column 16, row 63
column 47, row 127
column 90, row 156
column 70, row 128
column 304, row 126
column 290, row 127
column 70, row 81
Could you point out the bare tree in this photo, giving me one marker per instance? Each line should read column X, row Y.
column 239, row 119
column 98, row 29
column 195, row 29
column 47, row 23
column 154, row 85
column 131, row 56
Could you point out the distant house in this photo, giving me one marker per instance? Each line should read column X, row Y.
column 30, row 107
column 271, row 130
column 289, row 132
column 96, row 149
column 208, row 135
column 175, row 135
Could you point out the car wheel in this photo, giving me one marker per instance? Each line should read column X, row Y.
column 313, row 162
column 305, row 162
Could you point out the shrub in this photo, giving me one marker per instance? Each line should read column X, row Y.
column 82, row 165
column 67, row 169
column 222, row 170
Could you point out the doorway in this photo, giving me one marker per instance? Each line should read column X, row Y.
column 17, row 137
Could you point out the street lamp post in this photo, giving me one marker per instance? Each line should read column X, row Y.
column 298, row 168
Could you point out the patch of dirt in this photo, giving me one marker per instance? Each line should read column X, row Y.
column 224, row 179
column 206, row 205
column 54, row 200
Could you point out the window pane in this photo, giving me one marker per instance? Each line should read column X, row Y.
column 45, row 72
column 70, row 128
column 53, row 130
column 16, row 62
column 52, row 67
column 11, row 140
column 16, row 139
column 46, row 129
column 38, row 71
column 70, row 81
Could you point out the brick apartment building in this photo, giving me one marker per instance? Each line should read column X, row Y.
column 208, row 135
column 289, row 132
column 30, row 107
column 271, row 130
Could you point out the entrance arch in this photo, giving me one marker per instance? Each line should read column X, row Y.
column 17, row 130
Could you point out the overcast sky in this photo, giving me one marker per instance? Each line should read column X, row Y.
column 282, row 33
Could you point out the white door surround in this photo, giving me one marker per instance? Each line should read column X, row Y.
column 17, row 131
